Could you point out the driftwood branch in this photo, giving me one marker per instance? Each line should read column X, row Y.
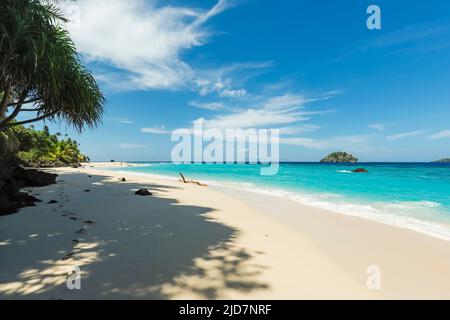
column 183, row 179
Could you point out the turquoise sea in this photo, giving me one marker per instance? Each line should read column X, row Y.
column 415, row 196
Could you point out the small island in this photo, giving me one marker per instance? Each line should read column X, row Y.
column 445, row 160
column 339, row 157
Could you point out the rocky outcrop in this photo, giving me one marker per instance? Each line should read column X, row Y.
column 339, row 157
column 445, row 160
column 33, row 177
column 12, row 179
column 360, row 170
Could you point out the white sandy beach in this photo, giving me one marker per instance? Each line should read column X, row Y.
column 193, row 242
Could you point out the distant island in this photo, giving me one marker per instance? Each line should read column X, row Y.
column 339, row 157
column 445, row 160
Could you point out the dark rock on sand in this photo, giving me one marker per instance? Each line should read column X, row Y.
column 143, row 192
column 123, row 179
column 33, row 177
column 20, row 200
column 13, row 178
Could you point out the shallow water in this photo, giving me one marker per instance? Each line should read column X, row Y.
column 410, row 195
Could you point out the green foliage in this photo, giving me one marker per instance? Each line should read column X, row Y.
column 39, row 63
column 339, row 157
column 40, row 148
column 445, row 160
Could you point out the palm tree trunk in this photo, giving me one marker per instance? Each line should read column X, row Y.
column 4, row 102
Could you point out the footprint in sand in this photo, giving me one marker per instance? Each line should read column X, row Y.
column 70, row 215
column 80, row 231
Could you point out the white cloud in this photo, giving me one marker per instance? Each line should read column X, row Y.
column 271, row 112
column 227, row 93
column 144, row 40
column 440, row 135
column 156, row 130
column 124, row 120
column 131, row 146
column 207, row 105
column 223, row 81
column 253, row 118
column 267, row 112
column 285, row 101
column 334, row 143
column 404, row 135
column 377, row 126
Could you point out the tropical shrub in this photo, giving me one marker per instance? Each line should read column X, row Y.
column 42, row 149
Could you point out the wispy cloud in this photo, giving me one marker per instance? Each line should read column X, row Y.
column 227, row 82
column 415, row 39
column 143, row 40
column 269, row 113
column 227, row 93
column 156, row 130
column 124, row 120
column 412, row 34
column 283, row 102
column 215, row 106
column 409, row 134
column 377, row 126
column 333, row 143
column 445, row 134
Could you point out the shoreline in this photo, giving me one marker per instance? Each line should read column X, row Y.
column 188, row 241
column 439, row 230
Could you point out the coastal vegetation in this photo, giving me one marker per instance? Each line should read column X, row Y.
column 40, row 68
column 42, row 77
column 339, row 157
column 42, row 149
column 445, row 160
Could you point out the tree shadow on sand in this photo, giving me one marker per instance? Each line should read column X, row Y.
column 140, row 248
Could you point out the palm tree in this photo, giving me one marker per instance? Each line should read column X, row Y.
column 39, row 66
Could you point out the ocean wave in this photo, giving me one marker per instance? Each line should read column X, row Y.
column 403, row 214
column 344, row 171
column 406, row 215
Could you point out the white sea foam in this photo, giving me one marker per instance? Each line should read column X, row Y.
column 404, row 214
column 344, row 171
column 407, row 215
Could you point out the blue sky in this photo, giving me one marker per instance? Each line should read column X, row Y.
column 309, row 68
